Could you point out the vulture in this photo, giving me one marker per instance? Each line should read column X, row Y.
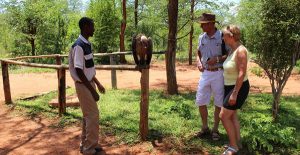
column 141, row 49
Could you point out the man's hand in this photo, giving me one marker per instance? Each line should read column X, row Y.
column 212, row 61
column 100, row 88
column 95, row 95
column 200, row 66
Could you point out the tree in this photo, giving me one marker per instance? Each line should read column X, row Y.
column 191, row 32
column 25, row 17
column 45, row 30
column 122, row 32
column 51, row 38
column 136, row 4
column 277, row 43
column 171, row 50
column 106, row 25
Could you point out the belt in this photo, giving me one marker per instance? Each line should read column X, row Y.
column 214, row 69
column 82, row 82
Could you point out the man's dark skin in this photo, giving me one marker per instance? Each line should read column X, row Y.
column 86, row 32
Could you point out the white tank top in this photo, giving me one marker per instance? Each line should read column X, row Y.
column 230, row 68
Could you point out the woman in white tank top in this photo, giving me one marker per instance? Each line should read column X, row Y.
column 236, row 86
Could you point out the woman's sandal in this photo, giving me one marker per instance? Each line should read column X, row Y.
column 225, row 146
column 230, row 150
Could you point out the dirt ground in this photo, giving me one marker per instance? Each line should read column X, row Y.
column 22, row 135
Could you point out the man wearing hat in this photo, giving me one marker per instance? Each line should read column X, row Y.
column 210, row 63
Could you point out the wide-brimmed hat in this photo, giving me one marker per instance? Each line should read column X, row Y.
column 207, row 18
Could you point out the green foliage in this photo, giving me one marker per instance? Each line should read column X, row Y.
column 53, row 32
column 262, row 134
column 22, row 70
column 107, row 25
column 176, row 119
column 35, row 30
column 277, row 39
column 297, row 67
column 249, row 18
column 274, row 37
column 257, row 71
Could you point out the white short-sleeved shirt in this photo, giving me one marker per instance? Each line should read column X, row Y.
column 210, row 47
column 77, row 60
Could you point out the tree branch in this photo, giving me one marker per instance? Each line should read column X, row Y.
column 183, row 26
column 183, row 36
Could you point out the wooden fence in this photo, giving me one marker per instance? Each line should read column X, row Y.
column 61, row 75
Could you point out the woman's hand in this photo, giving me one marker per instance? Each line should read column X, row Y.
column 232, row 98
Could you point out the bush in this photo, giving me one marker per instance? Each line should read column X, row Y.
column 263, row 135
column 257, row 71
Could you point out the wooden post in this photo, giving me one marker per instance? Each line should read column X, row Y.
column 144, row 104
column 6, row 86
column 62, row 91
column 58, row 62
column 113, row 72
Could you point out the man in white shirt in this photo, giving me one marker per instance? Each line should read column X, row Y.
column 210, row 63
column 83, row 73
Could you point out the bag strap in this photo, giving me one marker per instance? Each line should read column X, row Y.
column 224, row 51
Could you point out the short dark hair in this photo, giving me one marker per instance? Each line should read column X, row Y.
column 85, row 21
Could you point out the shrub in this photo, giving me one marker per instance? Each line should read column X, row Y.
column 263, row 135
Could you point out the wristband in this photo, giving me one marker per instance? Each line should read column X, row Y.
column 218, row 59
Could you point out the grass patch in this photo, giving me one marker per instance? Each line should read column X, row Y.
column 13, row 69
column 176, row 119
column 257, row 71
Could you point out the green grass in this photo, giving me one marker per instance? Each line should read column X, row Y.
column 297, row 67
column 22, row 70
column 257, row 71
column 176, row 119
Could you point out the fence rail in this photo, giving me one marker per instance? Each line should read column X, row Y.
column 61, row 75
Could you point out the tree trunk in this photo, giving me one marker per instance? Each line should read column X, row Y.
column 32, row 47
column 191, row 33
column 275, row 106
column 122, row 33
column 171, row 51
column 136, row 4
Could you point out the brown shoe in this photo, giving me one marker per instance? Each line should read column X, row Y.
column 215, row 135
column 203, row 132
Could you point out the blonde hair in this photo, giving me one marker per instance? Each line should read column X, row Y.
column 233, row 30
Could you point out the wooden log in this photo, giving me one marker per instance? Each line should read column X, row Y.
column 62, row 91
column 34, row 64
column 113, row 72
column 38, row 56
column 96, row 54
column 98, row 67
column 6, row 85
column 144, row 104
column 121, row 67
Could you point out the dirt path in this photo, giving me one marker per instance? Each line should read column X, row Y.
column 20, row 135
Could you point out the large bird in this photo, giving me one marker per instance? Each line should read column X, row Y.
column 141, row 49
